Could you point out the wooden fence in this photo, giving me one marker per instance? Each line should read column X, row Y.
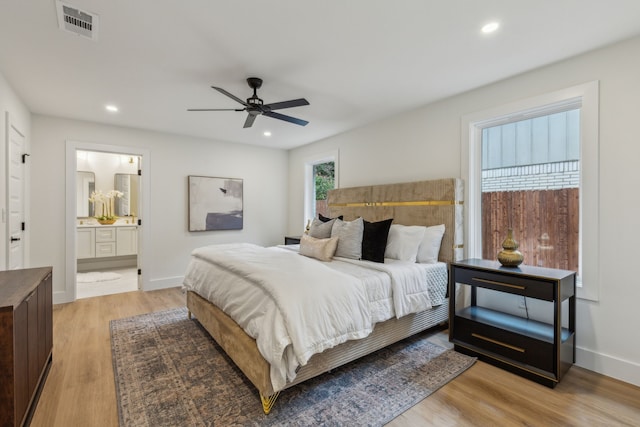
column 545, row 223
column 322, row 208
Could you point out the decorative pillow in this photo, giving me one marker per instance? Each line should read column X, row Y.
column 320, row 229
column 430, row 245
column 322, row 249
column 349, row 234
column 325, row 219
column 374, row 239
column 403, row 242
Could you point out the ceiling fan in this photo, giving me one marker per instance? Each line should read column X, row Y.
column 254, row 106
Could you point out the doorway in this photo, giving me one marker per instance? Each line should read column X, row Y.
column 106, row 197
column 108, row 188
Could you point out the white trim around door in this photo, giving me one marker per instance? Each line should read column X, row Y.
column 72, row 147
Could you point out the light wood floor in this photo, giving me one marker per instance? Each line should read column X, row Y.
column 80, row 389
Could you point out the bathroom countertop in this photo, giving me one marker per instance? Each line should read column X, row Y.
column 119, row 223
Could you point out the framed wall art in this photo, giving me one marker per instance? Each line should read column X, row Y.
column 215, row 203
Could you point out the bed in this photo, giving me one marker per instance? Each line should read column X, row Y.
column 423, row 203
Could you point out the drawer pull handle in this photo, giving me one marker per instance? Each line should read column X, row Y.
column 508, row 285
column 512, row 347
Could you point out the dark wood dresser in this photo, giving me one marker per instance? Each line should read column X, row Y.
column 26, row 341
column 541, row 350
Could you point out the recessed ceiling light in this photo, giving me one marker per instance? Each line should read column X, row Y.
column 111, row 108
column 267, row 133
column 490, row 27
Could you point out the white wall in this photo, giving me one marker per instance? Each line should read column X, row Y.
column 172, row 159
column 426, row 144
column 12, row 107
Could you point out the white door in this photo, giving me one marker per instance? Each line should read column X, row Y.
column 136, row 210
column 15, row 200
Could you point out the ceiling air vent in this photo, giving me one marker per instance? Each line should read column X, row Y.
column 77, row 21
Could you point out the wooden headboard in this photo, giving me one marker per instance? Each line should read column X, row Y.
column 413, row 203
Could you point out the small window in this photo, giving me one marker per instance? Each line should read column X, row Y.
column 321, row 175
column 324, row 179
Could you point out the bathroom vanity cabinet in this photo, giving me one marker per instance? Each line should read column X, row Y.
column 107, row 241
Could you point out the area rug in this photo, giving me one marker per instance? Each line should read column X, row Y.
column 97, row 276
column 169, row 372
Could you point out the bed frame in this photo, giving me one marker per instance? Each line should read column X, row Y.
column 417, row 203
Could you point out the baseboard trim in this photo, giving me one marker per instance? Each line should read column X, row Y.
column 614, row 367
column 61, row 297
column 169, row 282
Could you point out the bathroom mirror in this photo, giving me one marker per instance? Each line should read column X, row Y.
column 85, row 185
column 128, row 184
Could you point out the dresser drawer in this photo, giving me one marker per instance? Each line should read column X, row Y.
column 509, row 345
column 105, row 249
column 534, row 288
column 105, row 234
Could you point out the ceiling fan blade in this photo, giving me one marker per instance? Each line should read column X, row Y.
column 285, row 118
column 250, row 119
column 216, row 109
column 288, row 104
column 235, row 98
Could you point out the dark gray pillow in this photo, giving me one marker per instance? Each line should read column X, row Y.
column 349, row 234
column 327, row 219
column 320, row 229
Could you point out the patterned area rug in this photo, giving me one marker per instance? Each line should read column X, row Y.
column 169, row 372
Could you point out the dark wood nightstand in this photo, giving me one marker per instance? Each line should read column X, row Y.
column 542, row 351
column 292, row 240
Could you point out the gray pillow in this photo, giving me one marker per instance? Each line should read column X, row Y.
column 320, row 229
column 349, row 234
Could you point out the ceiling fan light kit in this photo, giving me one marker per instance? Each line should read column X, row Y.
column 254, row 106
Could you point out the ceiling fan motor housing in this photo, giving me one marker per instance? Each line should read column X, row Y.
column 254, row 83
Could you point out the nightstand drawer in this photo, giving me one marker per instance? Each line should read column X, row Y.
column 517, row 347
column 539, row 289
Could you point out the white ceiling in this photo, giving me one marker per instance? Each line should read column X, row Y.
column 355, row 61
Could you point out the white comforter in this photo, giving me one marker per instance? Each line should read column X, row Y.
column 298, row 326
column 410, row 289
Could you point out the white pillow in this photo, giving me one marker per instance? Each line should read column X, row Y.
column 322, row 249
column 349, row 234
column 430, row 245
column 403, row 242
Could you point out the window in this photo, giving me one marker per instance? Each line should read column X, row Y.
column 531, row 184
column 533, row 166
column 323, row 175
column 320, row 177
